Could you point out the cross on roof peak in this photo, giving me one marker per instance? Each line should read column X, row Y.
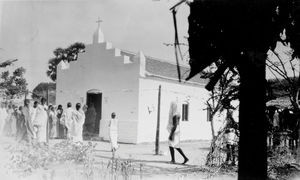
column 99, row 21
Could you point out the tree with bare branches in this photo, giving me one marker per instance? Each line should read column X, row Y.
column 240, row 33
column 221, row 97
column 285, row 69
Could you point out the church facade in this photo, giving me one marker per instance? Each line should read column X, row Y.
column 128, row 84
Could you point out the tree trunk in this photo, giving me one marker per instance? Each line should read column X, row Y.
column 210, row 117
column 212, row 128
column 253, row 136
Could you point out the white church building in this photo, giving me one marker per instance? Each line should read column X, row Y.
column 128, row 83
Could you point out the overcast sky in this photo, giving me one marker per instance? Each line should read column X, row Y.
column 31, row 30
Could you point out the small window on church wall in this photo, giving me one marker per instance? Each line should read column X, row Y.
column 185, row 112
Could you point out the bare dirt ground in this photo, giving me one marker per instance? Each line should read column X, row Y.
column 158, row 166
column 141, row 156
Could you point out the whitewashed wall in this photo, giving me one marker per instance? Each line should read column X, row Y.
column 103, row 69
column 195, row 129
column 133, row 98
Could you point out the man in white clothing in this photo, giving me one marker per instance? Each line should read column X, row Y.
column 113, row 132
column 40, row 121
column 78, row 121
column 69, row 119
column 32, row 112
column 3, row 116
column 174, row 132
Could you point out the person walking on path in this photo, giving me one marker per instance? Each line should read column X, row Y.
column 113, row 132
column 174, row 130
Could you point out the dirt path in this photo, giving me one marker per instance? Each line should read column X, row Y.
column 139, row 157
column 157, row 166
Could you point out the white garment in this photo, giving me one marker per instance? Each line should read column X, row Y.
column 32, row 112
column 113, row 133
column 52, row 124
column 41, row 120
column 77, row 125
column 13, row 122
column 68, row 117
column 174, row 110
column 231, row 137
column 175, row 143
column 3, row 116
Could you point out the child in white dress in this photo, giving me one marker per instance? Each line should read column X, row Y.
column 113, row 132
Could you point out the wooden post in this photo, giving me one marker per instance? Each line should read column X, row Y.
column 47, row 94
column 158, row 123
column 47, row 126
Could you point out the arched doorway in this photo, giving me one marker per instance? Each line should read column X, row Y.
column 94, row 98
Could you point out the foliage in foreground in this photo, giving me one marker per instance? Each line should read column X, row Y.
column 281, row 163
column 26, row 158
column 77, row 160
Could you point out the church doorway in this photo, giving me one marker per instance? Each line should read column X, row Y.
column 94, row 111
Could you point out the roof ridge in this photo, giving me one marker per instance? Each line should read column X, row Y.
column 166, row 61
column 156, row 59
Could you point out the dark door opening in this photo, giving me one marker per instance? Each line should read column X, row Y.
column 94, row 112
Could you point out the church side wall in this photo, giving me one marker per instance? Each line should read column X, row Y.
column 196, row 128
column 99, row 68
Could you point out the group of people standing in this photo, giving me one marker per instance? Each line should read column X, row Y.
column 16, row 121
column 39, row 122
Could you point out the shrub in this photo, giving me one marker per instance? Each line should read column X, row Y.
column 26, row 158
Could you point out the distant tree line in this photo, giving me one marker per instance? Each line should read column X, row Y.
column 63, row 54
column 13, row 85
column 41, row 91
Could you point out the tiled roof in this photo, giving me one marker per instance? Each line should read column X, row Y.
column 166, row 70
